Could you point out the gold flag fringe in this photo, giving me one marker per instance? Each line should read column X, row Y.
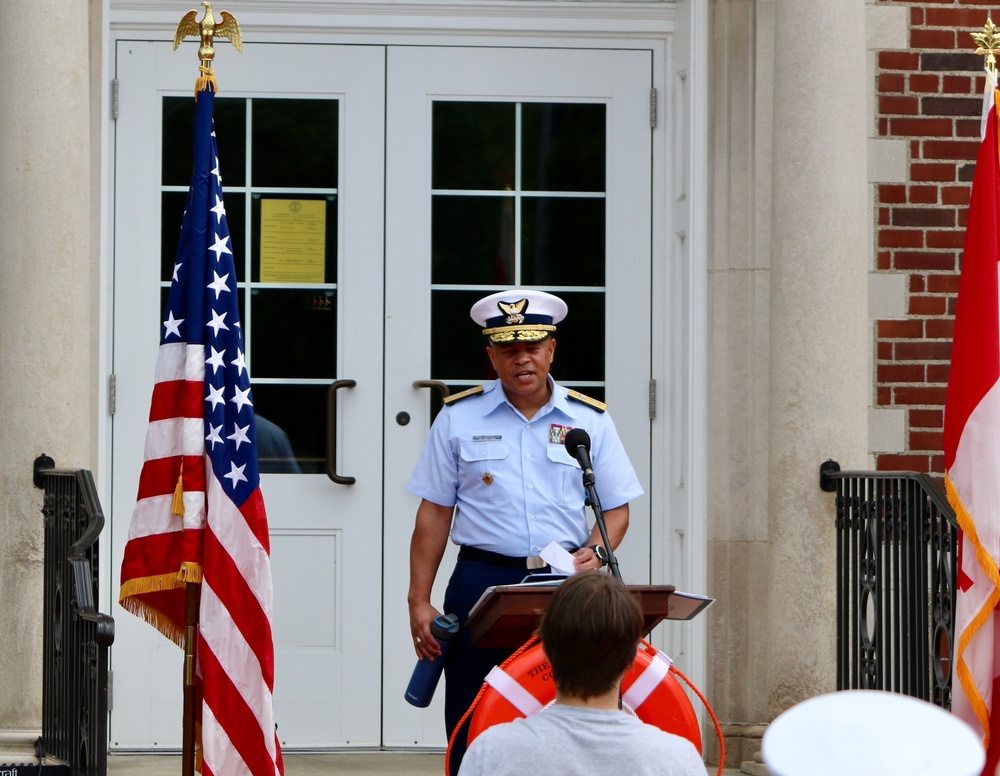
column 989, row 566
column 127, row 597
column 996, row 108
column 154, row 617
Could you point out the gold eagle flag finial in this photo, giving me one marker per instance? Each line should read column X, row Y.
column 207, row 30
column 988, row 43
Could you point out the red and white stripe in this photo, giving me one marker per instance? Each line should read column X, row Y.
column 235, row 651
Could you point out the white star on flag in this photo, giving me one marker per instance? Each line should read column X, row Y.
column 236, row 474
column 214, row 435
column 241, row 399
column 219, row 209
column 239, row 362
column 220, row 247
column 216, row 362
column 172, row 325
column 215, row 396
column 239, row 436
column 219, row 284
column 218, row 322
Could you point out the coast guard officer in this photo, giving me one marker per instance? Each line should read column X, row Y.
column 494, row 474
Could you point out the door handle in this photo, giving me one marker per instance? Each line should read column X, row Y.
column 436, row 385
column 331, row 431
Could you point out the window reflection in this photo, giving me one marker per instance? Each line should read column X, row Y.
column 274, row 449
column 298, row 412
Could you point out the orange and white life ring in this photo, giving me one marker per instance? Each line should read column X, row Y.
column 523, row 686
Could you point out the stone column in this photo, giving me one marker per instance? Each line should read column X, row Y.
column 47, row 318
column 820, row 335
column 739, row 284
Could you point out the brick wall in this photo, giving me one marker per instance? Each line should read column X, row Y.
column 929, row 95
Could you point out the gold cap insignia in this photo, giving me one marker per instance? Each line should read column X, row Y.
column 514, row 311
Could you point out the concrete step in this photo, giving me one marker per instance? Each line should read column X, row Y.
column 16, row 748
column 359, row 763
column 371, row 763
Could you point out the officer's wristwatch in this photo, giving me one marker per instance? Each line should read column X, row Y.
column 600, row 552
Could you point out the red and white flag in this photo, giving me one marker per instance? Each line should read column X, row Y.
column 199, row 515
column 972, row 452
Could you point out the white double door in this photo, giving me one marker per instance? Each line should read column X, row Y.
column 433, row 175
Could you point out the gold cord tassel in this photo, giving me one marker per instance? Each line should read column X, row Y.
column 178, row 506
column 206, row 81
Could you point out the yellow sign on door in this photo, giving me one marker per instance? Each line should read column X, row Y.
column 292, row 240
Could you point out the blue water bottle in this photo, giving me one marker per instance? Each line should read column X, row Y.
column 426, row 674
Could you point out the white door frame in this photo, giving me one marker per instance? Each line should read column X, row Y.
column 678, row 33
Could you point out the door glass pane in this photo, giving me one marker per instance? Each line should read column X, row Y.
column 473, row 240
column 562, row 241
column 295, row 143
column 473, row 145
column 518, row 200
column 293, row 333
column 279, row 162
column 563, row 147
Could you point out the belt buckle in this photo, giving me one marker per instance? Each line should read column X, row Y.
column 533, row 562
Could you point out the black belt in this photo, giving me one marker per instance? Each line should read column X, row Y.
column 531, row 562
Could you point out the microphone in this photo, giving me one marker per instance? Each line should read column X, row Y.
column 577, row 444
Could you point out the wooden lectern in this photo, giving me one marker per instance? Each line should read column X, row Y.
column 507, row 615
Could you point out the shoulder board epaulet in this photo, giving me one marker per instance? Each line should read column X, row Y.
column 463, row 394
column 600, row 406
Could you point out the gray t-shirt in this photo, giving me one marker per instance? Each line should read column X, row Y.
column 572, row 741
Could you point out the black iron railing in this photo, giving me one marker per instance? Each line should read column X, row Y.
column 76, row 636
column 896, row 542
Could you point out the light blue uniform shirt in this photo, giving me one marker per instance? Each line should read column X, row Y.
column 514, row 486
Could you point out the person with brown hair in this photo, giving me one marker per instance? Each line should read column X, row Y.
column 590, row 633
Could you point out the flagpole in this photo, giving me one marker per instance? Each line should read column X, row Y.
column 190, row 691
column 205, row 30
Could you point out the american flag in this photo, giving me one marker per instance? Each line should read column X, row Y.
column 199, row 514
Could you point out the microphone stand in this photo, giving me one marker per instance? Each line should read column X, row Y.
column 595, row 503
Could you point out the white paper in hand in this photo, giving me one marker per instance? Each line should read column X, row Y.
column 558, row 558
